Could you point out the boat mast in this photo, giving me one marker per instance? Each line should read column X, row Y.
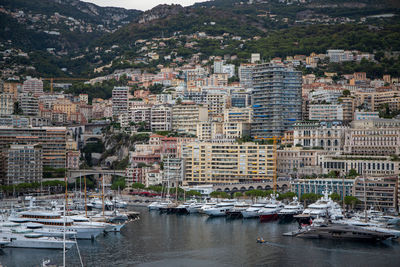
column 102, row 195
column 65, row 204
column 66, row 192
column 84, row 177
column 365, row 201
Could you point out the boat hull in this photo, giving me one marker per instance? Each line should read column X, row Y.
column 268, row 217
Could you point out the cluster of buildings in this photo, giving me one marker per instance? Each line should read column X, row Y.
column 206, row 128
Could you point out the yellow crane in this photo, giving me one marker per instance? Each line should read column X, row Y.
column 275, row 156
column 62, row 79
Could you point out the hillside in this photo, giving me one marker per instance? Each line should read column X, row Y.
column 78, row 37
column 61, row 24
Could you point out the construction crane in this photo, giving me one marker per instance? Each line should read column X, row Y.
column 275, row 155
column 62, row 79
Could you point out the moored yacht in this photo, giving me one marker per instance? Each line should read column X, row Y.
column 270, row 211
column 20, row 238
column 252, row 211
column 219, row 209
column 236, row 211
column 288, row 211
column 54, row 220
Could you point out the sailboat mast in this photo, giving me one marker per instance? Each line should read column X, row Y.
column 102, row 195
column 84, row 177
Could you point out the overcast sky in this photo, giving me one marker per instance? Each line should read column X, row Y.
column 141, row 4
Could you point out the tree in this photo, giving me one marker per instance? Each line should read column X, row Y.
column 335, row 196
column 237, row 195
column 118, row 183
column 353, row 173
column 309, row 197
column 346, row 92
column 351, row 201
column 155, row 188
column 17, row 109
column 333, row 174
column 193, row 193
column 217, row 194
column 138, row 185
column 287, row 195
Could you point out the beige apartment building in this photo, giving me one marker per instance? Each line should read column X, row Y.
column 373, row 137
column 373, row 166
column 374, row 100
column 380, row 193
column 227, row 162
column 186, row 116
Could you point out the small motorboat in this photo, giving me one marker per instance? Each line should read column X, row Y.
column 261, row 240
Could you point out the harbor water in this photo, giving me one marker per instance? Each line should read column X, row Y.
column 194, row 240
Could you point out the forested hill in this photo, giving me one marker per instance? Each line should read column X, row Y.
column 65, row 25
column 72, row 38
column 245, row 20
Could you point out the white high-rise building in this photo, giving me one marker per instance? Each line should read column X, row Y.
column 33, row 86
column 120, row 100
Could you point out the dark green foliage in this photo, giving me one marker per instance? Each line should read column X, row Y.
column 193, row 193
column 351, row 201
column 155, row 188
column 120, row 165
column 217, row 194
column 17, row 109
column 310, row 197
column 287, row 195
column 353, row 173
column 335, row 197
column 118, row 183
column 138, row 186
column 49, row 172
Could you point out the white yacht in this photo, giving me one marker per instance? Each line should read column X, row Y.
column 252, row 211
column 219, row 209
column 98, row 204
column 236, row 211
column 21, row 237
column 207, row 206
column 194, row 207
column 120, row 203
column 270, row 211
column 288, row 211
column 319, row 208
column 53, row 220
column 157, row 205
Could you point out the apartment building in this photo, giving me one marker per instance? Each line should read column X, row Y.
column 380, row 193
column 160, row 119
column 373, row 137
column 119, row 100
column 209, row 130
column 24, row 164
column 187, row 115
column 33, row 86
column 6, row 104
column 238, row 115
column 299, row 162
column 349, row 107
column 373, row 101
column 372, row 166
column 318, row 186
column 276, row 100
column 227, row 162
column 11, row 88
column 52, row 140
column 325, row 112
column 326, row 135
column 29, row 104
column 246, row 75
column 234, row 130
